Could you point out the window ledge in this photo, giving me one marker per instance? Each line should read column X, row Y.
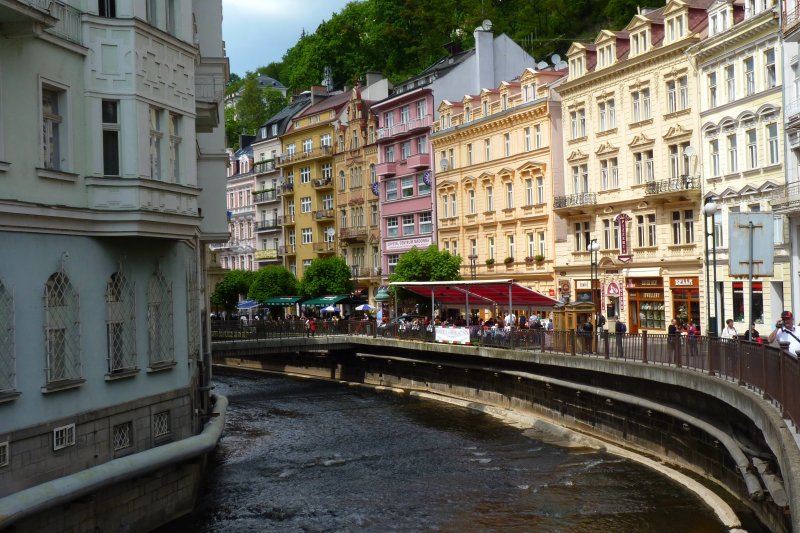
column 645, row 122
column 609, row 131
column 488, row 213
column 751, row 172
column 645, row 249
column 685, row 246
column 161, row 367
column 768, row 168
column 58, row 175
column 605, row 191
column 732, row 176
column 576, row 140
column 9, row 396
column 4, row 166
column 58, row 386
column 678, row 113
column 122, row 374
column 509, row 209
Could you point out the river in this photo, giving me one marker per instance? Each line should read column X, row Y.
column 313, row 456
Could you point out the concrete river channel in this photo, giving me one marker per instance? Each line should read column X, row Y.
column 307, row 456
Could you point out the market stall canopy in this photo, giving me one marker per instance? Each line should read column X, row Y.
column 282, row 301
column 495, row 291
column 246, row 304
column 333, row 300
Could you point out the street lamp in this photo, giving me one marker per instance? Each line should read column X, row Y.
column 472, row 265
column 594, row 246
column 709, row 209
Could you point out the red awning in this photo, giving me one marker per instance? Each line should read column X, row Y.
column 498, row 292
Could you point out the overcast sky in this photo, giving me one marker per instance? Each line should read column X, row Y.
column 258, row 32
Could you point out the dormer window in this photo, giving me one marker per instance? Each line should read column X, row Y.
column 640, row 42
column 504, row 101
column 605, row 56
column 676, row 28
column 467, row 114
column 485, row 108
column 575, row 67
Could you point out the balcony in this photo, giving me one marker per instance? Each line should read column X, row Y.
column 322, row 183
column 286, row 189
column 57, row 18
column 405, row 127
column 324, row 214
column 287, row 159
column 386, row 169
column 268, row 225
column 265, row 196
column 324, row 247
column 791, row 17
column 286, row 220
column 419, row 161
column 786, row 199
column 352, row 234
column 287, row 249
column 264, row 166
column 209, row 90
column 575, row 202
column 363, row 272
column 245, row 211
column 685, row 187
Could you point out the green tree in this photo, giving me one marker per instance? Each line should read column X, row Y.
column 326, row 275
column 430, row 264
column 272, row 281
column 234, row 285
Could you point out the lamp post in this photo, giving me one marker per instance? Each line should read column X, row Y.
column 709, row 209
column 472, row 265
column 594, row 247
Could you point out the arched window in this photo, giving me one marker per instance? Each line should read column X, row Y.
column 159, row 321
column 62, row 335
column 7, row 357
column 120, row 325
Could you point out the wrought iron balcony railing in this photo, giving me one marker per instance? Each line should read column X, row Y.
column 574, row 200
column 682, row 183
column 353, row 233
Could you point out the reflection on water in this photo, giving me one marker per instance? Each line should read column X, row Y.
column 318, row 456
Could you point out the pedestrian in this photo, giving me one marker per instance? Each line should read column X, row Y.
column 587, row 336
column 752, row 334
column 620, row 329
column 729, row 331
column 691, row 337
column 673, row 336
column 313, row 327
column 786, row 331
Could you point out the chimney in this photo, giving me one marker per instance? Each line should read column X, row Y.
column 484, row 57
column 318, row 93
column 373, row 77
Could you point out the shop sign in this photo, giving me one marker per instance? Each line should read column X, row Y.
column 644, row 282
column 687, row 282
column 613, row 290
column 552, row 292
column 583, row 284
column 266, row 254
column 622, row 219
column 405, row 244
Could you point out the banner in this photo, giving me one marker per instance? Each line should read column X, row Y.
column 452, row 335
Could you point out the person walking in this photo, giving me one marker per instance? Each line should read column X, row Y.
column 587, row 336
column 673, row 336
column 752, row 334
column 620, row 329
column 729, row 331
column 691, row 338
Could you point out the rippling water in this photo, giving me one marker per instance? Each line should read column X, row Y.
column 319, row 456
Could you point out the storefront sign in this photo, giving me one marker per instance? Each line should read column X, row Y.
column 405, row 244
column 638, row 283
column 552, row 292
column 685, row 283
column 622, row 219
column 652, row 295
column 266, row 254
column 613, row 289
column 583, row 284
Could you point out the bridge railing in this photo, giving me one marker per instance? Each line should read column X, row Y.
column 770, row 370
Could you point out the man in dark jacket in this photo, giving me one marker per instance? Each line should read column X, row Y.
column 620, row 329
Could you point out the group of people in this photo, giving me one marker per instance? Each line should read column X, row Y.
column 751, row 335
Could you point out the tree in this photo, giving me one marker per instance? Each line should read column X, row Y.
column 272, row 281
column 234, row 285
column 326, row 275
column 430, row 264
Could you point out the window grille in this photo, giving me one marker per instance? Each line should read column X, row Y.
column 62, row 332
column 120, row 324
column 159, row 319
column 121, row 437
column 193, row 313
column 4, row 454
column 7, row 351
column 161, row 424
column 63, row 436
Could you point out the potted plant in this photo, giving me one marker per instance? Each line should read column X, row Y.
column 529, row 259
column 539, row 258
column 490, row 261
column 508, row 260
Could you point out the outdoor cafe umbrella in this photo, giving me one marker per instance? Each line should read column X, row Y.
column 365, row 307
column 329, row 309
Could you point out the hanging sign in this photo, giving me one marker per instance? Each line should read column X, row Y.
column 375, row 189
column 613, row 290
column 426, row 177
column 622, row 219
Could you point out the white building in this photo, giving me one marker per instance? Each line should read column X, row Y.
column 111, row 148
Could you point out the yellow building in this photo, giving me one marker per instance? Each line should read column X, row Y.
column 631, row 178
column 308, row 185
column 357, row 206
column 739, row 74
column 498, row 153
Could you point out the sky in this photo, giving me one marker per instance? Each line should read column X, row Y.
column 258, row 32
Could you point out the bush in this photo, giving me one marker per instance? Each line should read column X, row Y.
column 489, row 262
column 508, row 260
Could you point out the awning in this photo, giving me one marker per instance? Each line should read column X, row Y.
column 282, row 301
column 497, row 291
column 246, row 304
column 333, row 300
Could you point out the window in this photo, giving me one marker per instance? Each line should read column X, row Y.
column 683, row 88
column 391, row 190
column 423, row 189
column 611, row 236
column 733, row 155
column 487, row 149
column 738, row 301
column 390, row 154
column 110, row 137
column 752, row 149
column 306, row 264
column 391, row 262
column 489, row 199
column 511, row 246
column 769, row 67
column 531, row 245
column 453, row 203
column 291, row 149
column 683, row 227
column 4, row 455
column 292, row 237
column 646, row 230
column 469, row 153
column 327, row 201
column 62, row 338
column 580, row 179
column 405, row 114
column 471, row 196
column 527, row 134
column 749, row 76
column 772, row 144
column 407, row 186
column 677, row 94
column 578, row 123
column 777, row 229
column 426, row 224
column 120, row 324
column 392, row 229
column 388, row 119
column 305, row 174
column 422, row 145
column 63, row 436
column 307, row 146
column 537, row 135
column 159, row 320
column 473, row 246
column 507, row 144
column 504, row 101
column 714, row 151
column 327, row 170
column 607, row 115
column 540, row 190
column 730, row 82
column 324, row 140
column 405, row 150
column 609, row 174
column 641, row 105
column 451, row 158
column 445, row 204
column 343, row 218
column 582, row 236
column 509, row 195
column 174, row 147
column 121, row 436
column 711, row 81
column 161, row 425
column 307, row 236
column 155, row 143
column 529, row 192
column 422, row 108
column 305, row 204
column 408, row 225
column 290, row 208
column 542, row 242
column 490, row 246
column 107, row 8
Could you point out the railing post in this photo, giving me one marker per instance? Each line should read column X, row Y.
column 678, row 351
column 574, row 338
column 644, row 346
column 782, row 365
column 713, row 345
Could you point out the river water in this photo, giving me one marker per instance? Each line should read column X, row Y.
column 309, row 456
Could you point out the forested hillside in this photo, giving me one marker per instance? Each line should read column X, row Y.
column 399, row 38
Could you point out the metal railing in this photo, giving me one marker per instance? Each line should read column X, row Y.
column 353, row 233
column 266, row 196
column 323, row 214
column 68, row 25
column 573, row 200
column 310, row 154
column 324, row 247
column 266, row 225
column 772, row 371
column 682, row 183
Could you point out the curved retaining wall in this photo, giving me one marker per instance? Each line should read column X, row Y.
column 706, row 424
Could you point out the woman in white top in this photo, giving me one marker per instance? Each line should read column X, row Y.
column 729, row 332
